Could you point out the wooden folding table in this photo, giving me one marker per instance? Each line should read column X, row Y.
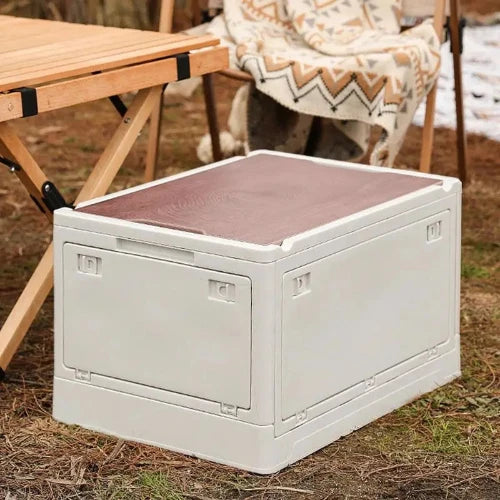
column 49, row 65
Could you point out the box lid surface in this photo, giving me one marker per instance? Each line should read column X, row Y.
column 262, row 199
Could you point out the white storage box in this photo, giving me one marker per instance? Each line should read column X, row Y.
column 252, row 311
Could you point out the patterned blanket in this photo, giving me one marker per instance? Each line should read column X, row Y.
column 338, row 59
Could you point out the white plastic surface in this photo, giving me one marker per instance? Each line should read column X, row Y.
column 158, row 323
column 318, row 336
column 362, row 311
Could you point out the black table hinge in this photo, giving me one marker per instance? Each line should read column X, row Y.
column 29, row 100
column 183, row 67
column 52, row 198
column 462, row 23
column 11, row 165
column 119, row 105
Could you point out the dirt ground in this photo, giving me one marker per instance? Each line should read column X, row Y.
column 444, row 445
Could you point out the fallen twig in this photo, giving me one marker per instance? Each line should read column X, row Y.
column 383, row 469
column 278, row 488
column 118, row 446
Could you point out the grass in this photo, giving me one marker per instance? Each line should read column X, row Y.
column 473, row 271
column 156, row 485
column 88, row 148
column 153, row 485
column 461, row 437
column 446, row 421
column 480, row 259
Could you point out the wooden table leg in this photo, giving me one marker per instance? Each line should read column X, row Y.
column 120, row 144
column 153, row 141
column 31, row 175
column 105, row 170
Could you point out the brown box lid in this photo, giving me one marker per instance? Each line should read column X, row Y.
column 261, row 199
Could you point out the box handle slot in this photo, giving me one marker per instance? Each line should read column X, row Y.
column 177, row 227
column 155, row 251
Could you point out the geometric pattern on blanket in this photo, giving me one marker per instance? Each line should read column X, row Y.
column 338, row 59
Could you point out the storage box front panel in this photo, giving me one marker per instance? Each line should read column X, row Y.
column 364, row 310
column 158, row 323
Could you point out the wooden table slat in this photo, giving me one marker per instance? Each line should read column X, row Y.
column 35, row 51
column 62, row 53
column 20, row 31
column 25, row 51
column 116, row 81
column 36, row 38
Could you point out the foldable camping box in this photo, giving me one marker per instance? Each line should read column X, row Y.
column 253, row 311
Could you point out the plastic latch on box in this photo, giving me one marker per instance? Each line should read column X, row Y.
column 88, row 264
column 434, row 231
column 219, row 290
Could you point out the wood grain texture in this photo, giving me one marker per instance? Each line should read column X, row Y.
column 31, row 175
column 459, row 99
column 430, row 102
column 261, row 199
column 118, row 81
column 119, row 145
column 165, row 18
column 36, row 51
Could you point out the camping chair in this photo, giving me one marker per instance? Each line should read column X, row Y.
column 412, row 9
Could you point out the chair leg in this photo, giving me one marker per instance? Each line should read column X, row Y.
column 163, row 13
column 428, row 132
column 211, row 108
column 459, row 102
column 430, row 105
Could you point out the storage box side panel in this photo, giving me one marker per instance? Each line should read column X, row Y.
column 400, row 300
